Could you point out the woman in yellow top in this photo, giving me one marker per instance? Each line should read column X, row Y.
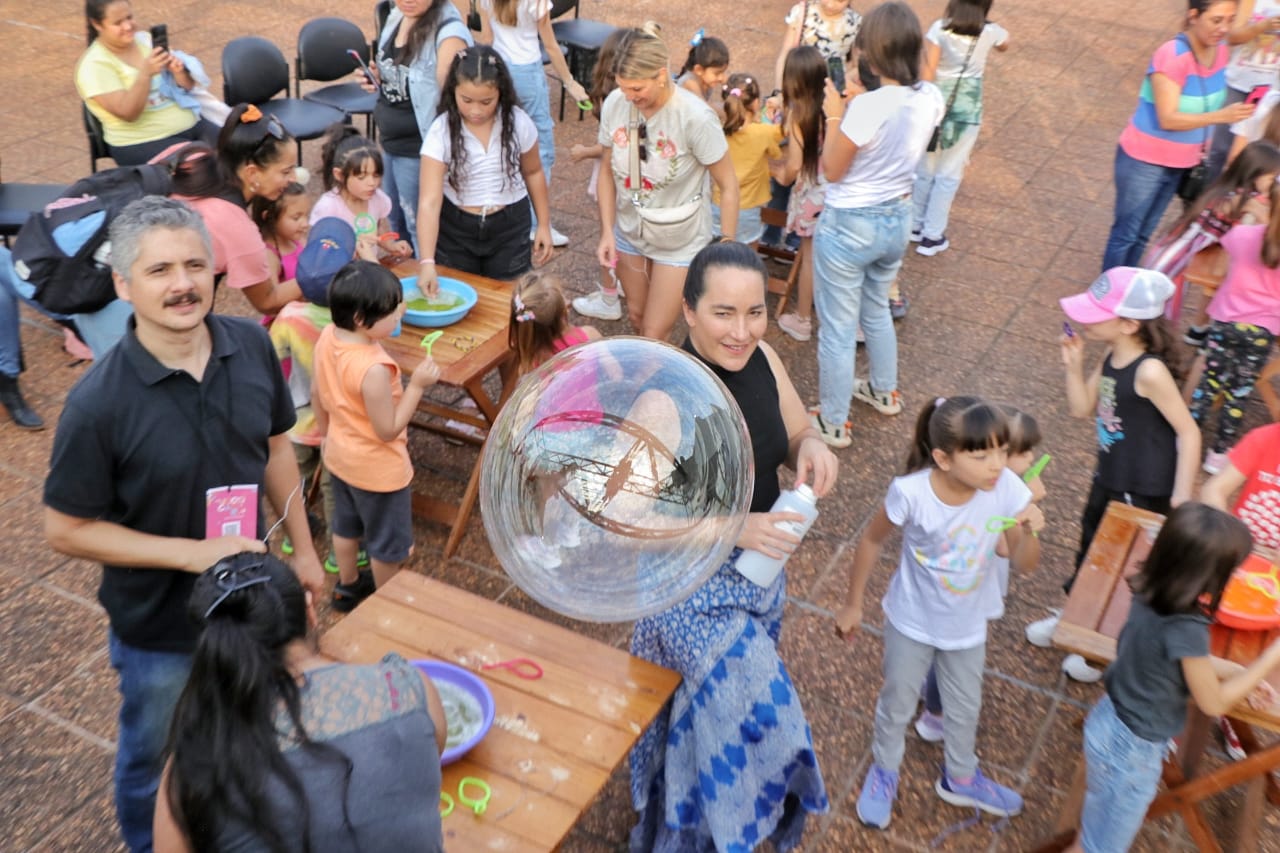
column 140, row 92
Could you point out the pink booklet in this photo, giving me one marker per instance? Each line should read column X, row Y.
column 231, row 511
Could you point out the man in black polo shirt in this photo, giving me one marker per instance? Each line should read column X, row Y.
column 186, row 402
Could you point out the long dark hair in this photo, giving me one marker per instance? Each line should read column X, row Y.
column 966, row 17
column 804, row 74
column 891, row 41
column 602, row 80
column 1236, row 183
column 95, row 12
column 1157, row 338
column 1194, row 554
column 955, row 425
column 423, row 31
column 224, row 738
column 480, row 64
column 198, row 173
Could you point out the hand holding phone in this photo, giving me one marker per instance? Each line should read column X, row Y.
column 835, row 70
column 160, row 37
column 368, row 73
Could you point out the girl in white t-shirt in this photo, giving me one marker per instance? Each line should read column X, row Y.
column 514, row 28
column 955, row 57
column 954, row 506
column 869, row 158
column 480, row 169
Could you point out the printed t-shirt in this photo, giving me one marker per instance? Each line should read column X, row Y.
column 1137, row 448
column 331, row 204
column 294, row 334
column 891, row 127
column 831, row 38
column 352, row 450
column 519, row 44
column 100, row 72
column 1255, row 62
column 483, row 179
column 946, row 586
column 1257, row 457
column 1202, row 90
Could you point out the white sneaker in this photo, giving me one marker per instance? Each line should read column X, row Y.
column 1041, row 633
column 1078, row 669
column 929, row 727
column 557, row 239
column 1214, row 462
column 599, row 306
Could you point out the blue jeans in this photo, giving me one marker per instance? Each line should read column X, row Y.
column 856, row 256
column 531, row 90
column 400, row 182
column 150, row 683
column 10, row 337
column 1143, row 191
column 937, row 180
column 1123, row 772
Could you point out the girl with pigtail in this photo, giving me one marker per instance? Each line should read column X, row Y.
column 752, row 144
column 706, row 67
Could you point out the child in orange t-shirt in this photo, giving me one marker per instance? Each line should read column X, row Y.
column 364, row 414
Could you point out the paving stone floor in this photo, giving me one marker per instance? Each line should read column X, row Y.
column 1027, row 228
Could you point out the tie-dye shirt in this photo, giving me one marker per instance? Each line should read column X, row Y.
column 1203, row 90
column 946, row 586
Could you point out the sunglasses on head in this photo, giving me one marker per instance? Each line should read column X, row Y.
column 272, row 129
column 643, row 133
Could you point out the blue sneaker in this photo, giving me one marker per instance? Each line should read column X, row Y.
column 980, row 793
column 875, row 803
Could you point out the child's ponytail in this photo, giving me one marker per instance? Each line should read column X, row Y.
column 741, row 94
column 955, row 425
column 707, row 51
column 539, row 316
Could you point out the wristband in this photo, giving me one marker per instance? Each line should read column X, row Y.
column 427, row 261
column 834, row 118
column 388, row 237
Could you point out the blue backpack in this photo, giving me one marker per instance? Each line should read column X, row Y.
column 63, row 250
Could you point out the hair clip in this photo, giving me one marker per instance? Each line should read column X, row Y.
column 493, row 60
column 251, row 114
column 462, row 54
column 232, row 580
column 697, row 37
column 747, row 80
column 524, row 316
column 937, row 404
column 735, row 92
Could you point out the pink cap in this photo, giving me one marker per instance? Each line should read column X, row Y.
column 1129, row 292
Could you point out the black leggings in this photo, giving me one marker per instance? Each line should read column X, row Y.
column 135, row 155
column 1096, row 507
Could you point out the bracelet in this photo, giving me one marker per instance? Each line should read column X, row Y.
column 834, row 118
column 427, row 261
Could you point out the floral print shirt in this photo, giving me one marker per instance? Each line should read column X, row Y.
column 831, row 38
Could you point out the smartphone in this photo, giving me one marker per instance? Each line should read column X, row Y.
column 835, row 70
column 368, row 75
column 1257, row 93
column 868, row 78
column 160, row 37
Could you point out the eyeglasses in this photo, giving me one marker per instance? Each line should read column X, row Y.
column 643, row 133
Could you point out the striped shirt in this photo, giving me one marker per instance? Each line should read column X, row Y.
column 1203, row 90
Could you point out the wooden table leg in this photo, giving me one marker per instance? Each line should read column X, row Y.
column 1249, row 741
column 464, row 509
column 1195, row 739
column 1250, row 819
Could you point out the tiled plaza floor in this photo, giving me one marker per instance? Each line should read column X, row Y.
column 1027, row 228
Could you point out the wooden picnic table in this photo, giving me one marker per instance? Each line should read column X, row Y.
column 1090, row 626
column 555, row 740
column 467, row 353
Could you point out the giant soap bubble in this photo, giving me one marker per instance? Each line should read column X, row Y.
column 616, row 479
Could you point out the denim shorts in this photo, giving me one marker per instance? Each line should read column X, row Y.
column 624, row 247
column 750, row 228
column 1123, row 775
column 383, row 521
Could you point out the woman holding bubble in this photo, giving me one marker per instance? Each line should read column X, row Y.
column 737, row 698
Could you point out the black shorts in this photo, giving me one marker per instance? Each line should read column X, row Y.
column 496, row 245
column 382, row 520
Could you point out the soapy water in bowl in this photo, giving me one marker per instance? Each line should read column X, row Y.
column 462, row 712
column 442, row 301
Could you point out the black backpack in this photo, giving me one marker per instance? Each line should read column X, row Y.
column 63, row 250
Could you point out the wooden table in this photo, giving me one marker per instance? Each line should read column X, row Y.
column 1090, row 626
column 555, row 740
column 467, row 353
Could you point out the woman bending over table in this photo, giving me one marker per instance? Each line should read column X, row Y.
column 275, row 746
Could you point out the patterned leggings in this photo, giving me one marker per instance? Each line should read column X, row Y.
column 1234, row 355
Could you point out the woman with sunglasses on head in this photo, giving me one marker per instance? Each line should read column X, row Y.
column 140, row 92
column 275, row 746
column 662, row 142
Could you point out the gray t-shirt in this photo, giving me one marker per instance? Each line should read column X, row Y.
column 682, row 139
column 1145, row 681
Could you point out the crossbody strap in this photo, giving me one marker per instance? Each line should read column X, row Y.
column 633, row 130
column 1195, row 60
column 951, row 101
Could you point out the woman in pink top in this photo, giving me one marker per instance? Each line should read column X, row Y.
column 1245, row 314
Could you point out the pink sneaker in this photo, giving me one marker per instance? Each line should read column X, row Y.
column 800, row 328
column 1214, row 462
